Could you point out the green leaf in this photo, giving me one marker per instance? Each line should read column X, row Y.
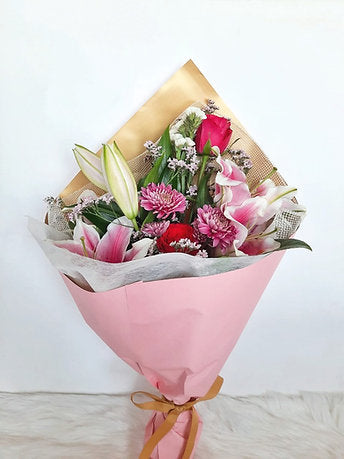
column 207, row 148
column 156, row 174
column 71, row 225
column 98, row 221
column 166, row 176
column 203, row 196
column 292, row 244
column 112, row 208
column 140, row 183
column 149, row 218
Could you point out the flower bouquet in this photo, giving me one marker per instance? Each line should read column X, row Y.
column 167, row 252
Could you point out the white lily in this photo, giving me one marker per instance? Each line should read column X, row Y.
column 89, row 164
column 120, row 181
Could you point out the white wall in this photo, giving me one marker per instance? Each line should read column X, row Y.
column 75, row 71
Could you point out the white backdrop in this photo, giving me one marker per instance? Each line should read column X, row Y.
column 75, row 71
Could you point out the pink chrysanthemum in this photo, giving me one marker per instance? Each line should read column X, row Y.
column 155, row 229
column 214, row 225
column 162, row 199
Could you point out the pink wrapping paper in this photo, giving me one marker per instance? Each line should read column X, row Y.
column 178, row 333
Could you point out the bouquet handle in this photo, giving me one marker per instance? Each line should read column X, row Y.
column 162, row 405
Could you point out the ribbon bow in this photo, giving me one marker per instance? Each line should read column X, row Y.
column 173, row 411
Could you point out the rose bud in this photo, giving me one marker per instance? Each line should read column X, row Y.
column 217, row 130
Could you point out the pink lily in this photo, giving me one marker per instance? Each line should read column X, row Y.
column 275, row 199
column 258, row 246
column 247, row 215
column 230, row 184
column 268, row 200
column 247, row 212
column 112, row 247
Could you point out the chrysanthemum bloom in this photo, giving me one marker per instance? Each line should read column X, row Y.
column 162, row 200
column 225, row 233
column 155, row 229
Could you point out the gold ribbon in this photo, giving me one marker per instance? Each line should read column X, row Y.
column 166, row 406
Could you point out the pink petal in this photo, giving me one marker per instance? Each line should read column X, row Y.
column 246, row 213
column 241, row 234
column 230, row 184
column 72, row 246
column 265, row 188
column 114, row 243
column 226, row 166
column 237, row 173
column 230, row 173
column 89, row 233
column 138, row 250
column 223, row 194
column 240, row 193
column 259, row 246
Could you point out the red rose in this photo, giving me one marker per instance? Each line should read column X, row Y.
column 174, row 233
column 215, row 129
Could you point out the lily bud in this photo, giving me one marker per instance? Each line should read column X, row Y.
column 119, row 180
column 89, row 164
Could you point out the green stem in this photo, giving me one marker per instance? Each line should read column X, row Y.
column 179, row 183
column 172, row 178
column 235, row 141
column 183, row 183
column 274, row 169
column 135, row 224
column 283, row 194
column 202, row 168
column 259, row 236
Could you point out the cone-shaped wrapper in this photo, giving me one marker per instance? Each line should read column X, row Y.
column 178, row 333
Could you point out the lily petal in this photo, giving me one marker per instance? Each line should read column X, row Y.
column 72, row 246
column 273, row 192
column 241, row 234
column 138, row 250
column 230, row 173
column 89, row 164
column 89, row 234
column 259, row 246
column 113, row 245
column 120, row 180
column 230, row 184
column 247, row 212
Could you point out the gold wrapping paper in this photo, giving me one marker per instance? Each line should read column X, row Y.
column 187, row 86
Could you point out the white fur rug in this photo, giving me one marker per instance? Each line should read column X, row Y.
column 271, row 426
